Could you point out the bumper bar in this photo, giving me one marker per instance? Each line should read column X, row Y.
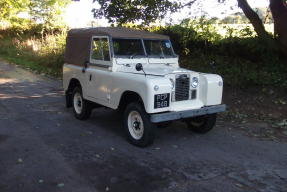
column 168, row 116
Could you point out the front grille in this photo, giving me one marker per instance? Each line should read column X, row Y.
column 182, row 87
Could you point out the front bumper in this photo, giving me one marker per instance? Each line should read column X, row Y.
column 168, row 116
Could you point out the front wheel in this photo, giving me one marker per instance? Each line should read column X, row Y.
column 201, row 124
column 137, row 124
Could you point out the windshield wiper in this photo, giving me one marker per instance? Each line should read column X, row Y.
column 132, row 56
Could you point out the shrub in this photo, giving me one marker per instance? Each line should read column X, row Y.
column 242, row 58
column 42, row 54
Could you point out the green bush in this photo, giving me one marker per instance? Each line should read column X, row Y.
column 242, row 58
column 43, row 54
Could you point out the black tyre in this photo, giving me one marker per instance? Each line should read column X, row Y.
column 201, row 124
column 81, row 107
column 138, row 127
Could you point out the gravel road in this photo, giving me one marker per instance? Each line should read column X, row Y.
column 44, row 148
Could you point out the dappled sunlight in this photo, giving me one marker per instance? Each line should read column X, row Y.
column 12, row 96
column 17, row 83
column 5, row 80
column 9, row 96
column 55, row 94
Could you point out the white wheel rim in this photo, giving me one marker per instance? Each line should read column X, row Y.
column 135, row 125
column 78, row 103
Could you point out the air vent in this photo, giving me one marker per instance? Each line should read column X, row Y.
column 182, row 84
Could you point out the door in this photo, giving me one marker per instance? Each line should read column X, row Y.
column 98, row 73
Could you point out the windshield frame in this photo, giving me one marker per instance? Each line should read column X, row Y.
column 174, row 55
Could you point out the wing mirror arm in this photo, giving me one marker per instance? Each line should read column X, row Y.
column 139, row 67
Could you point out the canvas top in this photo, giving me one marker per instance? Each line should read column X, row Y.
column 79, row 40
column 115, row 32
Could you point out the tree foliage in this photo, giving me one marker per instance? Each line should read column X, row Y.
column 123, row 11
column 9, row 9
column 146, row 11
column 45, row 12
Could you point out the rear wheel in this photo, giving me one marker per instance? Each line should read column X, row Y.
column 82, row 109
column 138, row 127
column 201, row 124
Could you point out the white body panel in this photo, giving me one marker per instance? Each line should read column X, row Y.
column 105, row 86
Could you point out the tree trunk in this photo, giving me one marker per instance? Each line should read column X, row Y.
column 279, row 12
column 254, row 19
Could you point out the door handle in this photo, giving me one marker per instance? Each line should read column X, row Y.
column 85, row 66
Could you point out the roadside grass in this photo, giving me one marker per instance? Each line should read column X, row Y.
column 241, row 59
column 44, row 56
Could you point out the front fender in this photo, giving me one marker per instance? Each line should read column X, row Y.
column 143, row 86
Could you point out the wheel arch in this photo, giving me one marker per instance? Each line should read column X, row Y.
column 128, row 97
column 74, row 82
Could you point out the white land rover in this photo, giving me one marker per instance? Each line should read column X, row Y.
column 137, row 72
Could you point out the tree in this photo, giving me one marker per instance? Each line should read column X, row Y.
column 279, row 12
column 146, row 11
column 44, row 12
column 9, row 9
column 253, row 18
column 47, row 12
column 123, row 11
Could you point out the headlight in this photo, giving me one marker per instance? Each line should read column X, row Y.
column 194, row 82
column 172, row 83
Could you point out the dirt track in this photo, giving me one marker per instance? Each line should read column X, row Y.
column 44, row 148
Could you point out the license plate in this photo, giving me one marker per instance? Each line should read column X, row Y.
column 161, row 100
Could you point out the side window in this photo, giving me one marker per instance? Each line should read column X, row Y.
column 100, row 49
column 105, row 47
column 96, row 49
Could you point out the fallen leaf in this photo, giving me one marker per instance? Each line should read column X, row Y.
column 239, row 185
column 41, row 181
column 20, row 160
column 60, row 185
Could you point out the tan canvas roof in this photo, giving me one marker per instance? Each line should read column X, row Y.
column 79, row 40
column 116, row 32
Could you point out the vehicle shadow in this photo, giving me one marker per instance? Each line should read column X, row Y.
column 111, row 121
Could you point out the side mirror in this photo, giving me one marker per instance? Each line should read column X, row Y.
column 213, row 66
column 212, row 63
column 139, row 67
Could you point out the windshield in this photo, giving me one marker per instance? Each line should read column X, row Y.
column 128, row 47
column 158, row 48
column 134, row 48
